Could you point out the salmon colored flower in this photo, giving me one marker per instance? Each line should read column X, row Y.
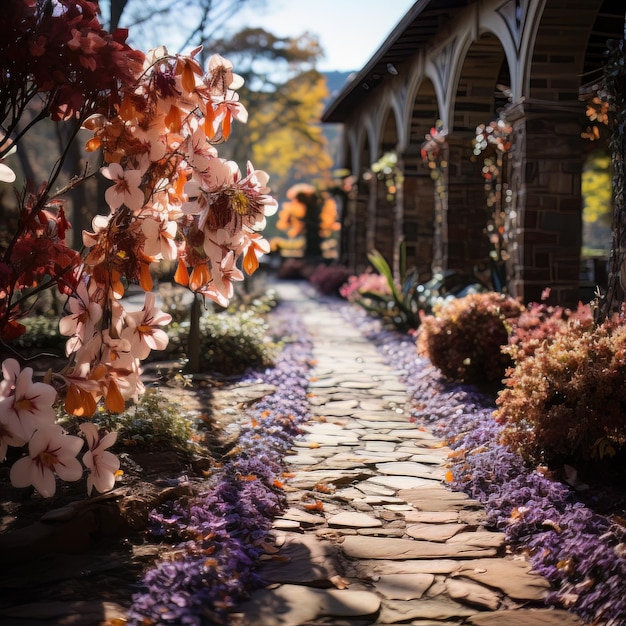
column 126, row 188
column 80, row 324
column 228, row 272
column 28, row 406
column 144, row 332
column 50, row 452
column 102, row 465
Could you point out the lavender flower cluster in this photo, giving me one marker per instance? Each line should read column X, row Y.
column 581, row 553
column 222, row 531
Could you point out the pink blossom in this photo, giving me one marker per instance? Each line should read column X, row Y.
column 50, row 452
column 102, row 465
column 126, row 188
column 143, row 330
column 227, row 273
column 28, row 406
column 160, row 238
column 81, row 322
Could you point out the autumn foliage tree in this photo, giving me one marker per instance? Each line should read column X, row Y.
column 284, row 94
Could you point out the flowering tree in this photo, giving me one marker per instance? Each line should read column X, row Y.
column 156, row 118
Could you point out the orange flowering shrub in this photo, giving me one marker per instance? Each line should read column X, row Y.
column 464, row 336
column 565, row 401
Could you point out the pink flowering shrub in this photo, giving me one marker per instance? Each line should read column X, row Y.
column 157, row 119
column 464, row 336
column 328, row 279
column 355, row 287
column 565, row 400
column 540, row 323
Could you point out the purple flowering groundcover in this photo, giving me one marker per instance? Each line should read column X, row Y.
column 582, row 554
column 222, row 531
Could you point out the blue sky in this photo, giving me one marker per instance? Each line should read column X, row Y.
column 350, row 31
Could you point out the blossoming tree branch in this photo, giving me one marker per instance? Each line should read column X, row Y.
column 156, row 118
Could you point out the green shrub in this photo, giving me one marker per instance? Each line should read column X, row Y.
column 567, row 400
column 154, row 423
column 464, row 337
column 234, row 342
column 401, row 304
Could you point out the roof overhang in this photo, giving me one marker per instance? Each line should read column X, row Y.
column 414, row 31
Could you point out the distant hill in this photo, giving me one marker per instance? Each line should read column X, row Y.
column 335, row 82
column 332, row 132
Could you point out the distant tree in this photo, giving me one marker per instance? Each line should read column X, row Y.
column 197, row 22
column 284, row 94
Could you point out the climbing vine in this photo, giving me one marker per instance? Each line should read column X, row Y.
column 614, row 92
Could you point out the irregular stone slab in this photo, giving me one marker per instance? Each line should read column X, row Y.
column 432, row 517
column 292, row 605
column 409, row 468
column 285, row 524
column 355, row 520
column 371, row 489
column 437, row 499
column 471, row 593
column 513, row 577
column 412, row 432
column 359, row 547
column 382, row 500
column 526, row 617
column 329, row 440
column 380, row 446
column 341, row 406
column 358, row 456
column 367, row 436
column 387, row 416
column 385, row 423
column 368, row 567
column 357, row 384
column 304, row 459
column 322, row 383
column 298, row 515
column 398, row 507
column 326, row 428
column 427, row 459
column 434, row 532
column 440, row 608
column 348, row 494
column 481, row 538
column 400, row 482
column 404, row 586
column 381, row 457
column 310, row 478
column 301, row 559
column 381, row 532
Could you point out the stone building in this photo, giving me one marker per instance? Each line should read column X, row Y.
column 525, row 72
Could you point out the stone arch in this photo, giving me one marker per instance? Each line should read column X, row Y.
column 422, row 229
column 358, row 206
column 549, row 149
column 481, row 92
column 386, row 216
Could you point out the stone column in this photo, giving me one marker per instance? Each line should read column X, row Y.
column 546, row 214
column 467, row 214
column 419, row 213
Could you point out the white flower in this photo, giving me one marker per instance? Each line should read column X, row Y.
column 50, row 452
column 102, row 465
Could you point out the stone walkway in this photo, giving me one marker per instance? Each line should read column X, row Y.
column 372, row 535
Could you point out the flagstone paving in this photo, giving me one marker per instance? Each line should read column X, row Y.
column 372, row 534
